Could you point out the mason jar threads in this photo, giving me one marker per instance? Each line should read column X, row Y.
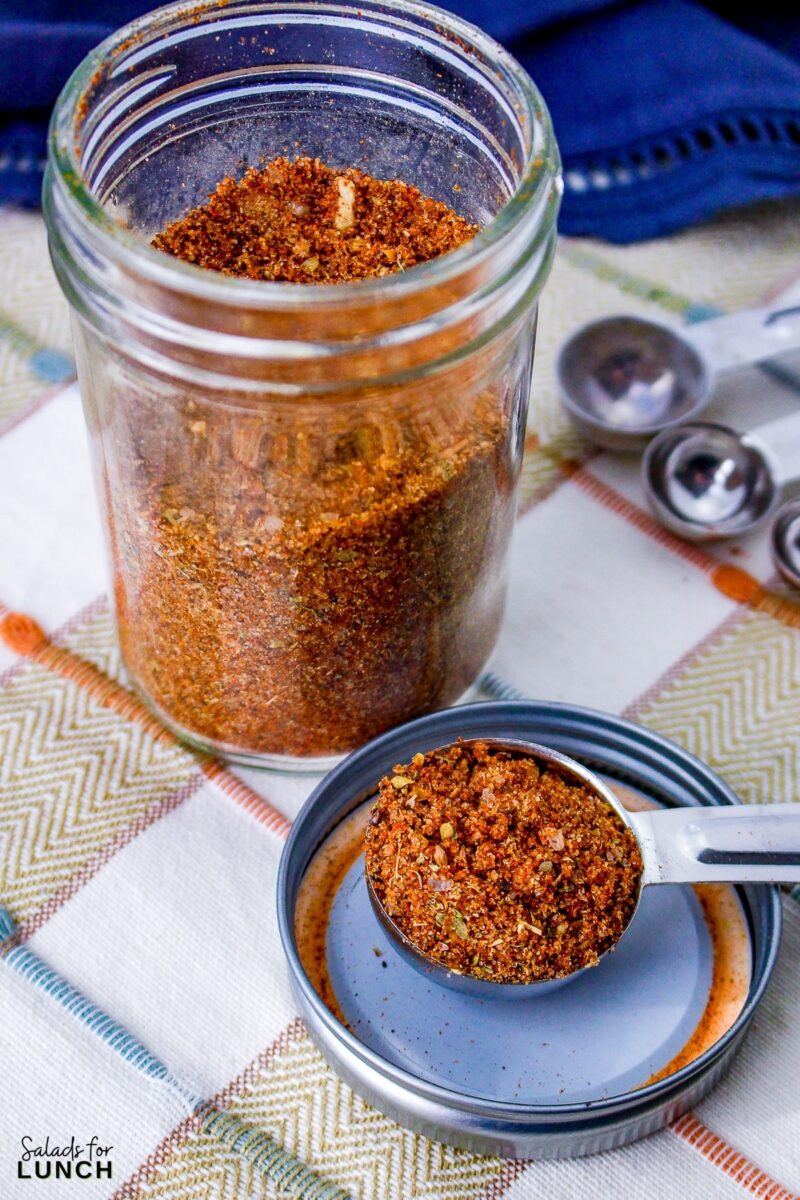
column 308, row 490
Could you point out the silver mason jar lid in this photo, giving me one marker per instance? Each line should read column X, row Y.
column 619, row 750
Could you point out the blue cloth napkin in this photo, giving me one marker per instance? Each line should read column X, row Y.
column 665, row 111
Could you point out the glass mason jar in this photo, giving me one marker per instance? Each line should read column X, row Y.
column 308, row 489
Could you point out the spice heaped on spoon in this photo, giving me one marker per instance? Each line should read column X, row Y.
column 505, row 869
column 498, row 867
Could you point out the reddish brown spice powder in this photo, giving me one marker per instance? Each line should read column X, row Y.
column 305, row 616
column 302, row 222
column 294, row 580
column 499, row 868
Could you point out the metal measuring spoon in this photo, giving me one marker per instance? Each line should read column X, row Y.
column 707, row 481
column 759, row 843
column 786, row 542
column 623, row 378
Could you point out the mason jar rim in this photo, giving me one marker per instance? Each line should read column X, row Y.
column 540, row 170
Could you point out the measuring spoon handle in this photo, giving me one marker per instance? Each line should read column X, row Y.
column 779, row 441
column 755, row 843
column 749, row 336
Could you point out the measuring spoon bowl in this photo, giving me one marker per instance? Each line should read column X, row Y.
column 786, row 542
column 707, row 481
column 623, row 379
column 703, row 482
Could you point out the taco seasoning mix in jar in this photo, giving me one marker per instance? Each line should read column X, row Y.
column 304, row 342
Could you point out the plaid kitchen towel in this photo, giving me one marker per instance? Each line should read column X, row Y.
column 144, row 1003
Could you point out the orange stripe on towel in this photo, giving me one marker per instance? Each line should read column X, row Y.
column 24, row 636
column 20, row 633
column 642, row 520
column 741, row 587
column 722, row 1155
column 730, row 581
column 250, row 800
